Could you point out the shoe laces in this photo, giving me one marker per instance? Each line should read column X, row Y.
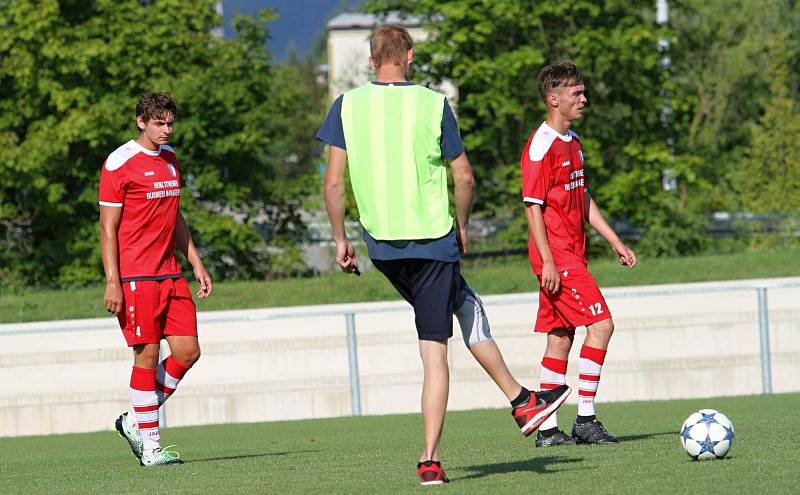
column 559, row 434
column 170, row 455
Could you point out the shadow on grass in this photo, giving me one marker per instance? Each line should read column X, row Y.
column 645, row 436
column 249, row 456
column 541, row 465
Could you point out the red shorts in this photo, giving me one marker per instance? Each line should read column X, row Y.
column 156, row 308
column 577, row 303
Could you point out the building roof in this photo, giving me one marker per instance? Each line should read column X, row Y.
column 360, row 20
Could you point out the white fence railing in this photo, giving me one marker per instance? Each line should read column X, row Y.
column 350, row 312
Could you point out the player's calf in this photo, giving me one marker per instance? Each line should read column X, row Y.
column 169, row 374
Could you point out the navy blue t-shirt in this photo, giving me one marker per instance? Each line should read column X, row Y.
column 442, row 249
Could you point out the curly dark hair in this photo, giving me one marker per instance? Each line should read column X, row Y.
column 154, row 105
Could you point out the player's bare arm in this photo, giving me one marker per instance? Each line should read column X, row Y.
column 109, row 224
column 184, row 243
column 598, row 222
column 464, row 187
column 550, row 280
column 335, row 204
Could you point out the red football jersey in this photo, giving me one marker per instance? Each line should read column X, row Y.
column 147, row 186
column 552, row 176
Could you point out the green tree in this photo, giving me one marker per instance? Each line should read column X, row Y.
column 770, row 175
column 70, row 75
column 720, row 56
column 723, row 80
column 769, row 179
column 493, row 51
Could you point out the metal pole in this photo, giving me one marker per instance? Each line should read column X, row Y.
column 162, row 411
column 763, row 331
column 352, row 357
column 669, row 181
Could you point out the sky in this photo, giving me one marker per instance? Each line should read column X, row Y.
column 299, row 22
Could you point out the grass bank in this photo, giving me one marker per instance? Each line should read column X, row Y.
column 487, row 276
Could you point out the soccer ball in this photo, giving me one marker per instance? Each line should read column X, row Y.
column 707, row 434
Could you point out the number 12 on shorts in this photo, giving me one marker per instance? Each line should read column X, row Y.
column 596, row 309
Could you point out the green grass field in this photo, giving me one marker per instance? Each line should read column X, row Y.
column 481, row 451
column 487, row 276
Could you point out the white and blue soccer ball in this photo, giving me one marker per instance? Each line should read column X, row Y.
column 707, row 434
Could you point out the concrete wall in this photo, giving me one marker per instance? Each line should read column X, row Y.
column 292, row 363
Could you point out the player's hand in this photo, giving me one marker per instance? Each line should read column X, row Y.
column 551, row 281
column 463, row 240
column 204, row 279
column 626, row 255
column 346, row 256
column 113, row 297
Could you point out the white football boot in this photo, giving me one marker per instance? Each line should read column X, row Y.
column 130, row 432
column 160, row 457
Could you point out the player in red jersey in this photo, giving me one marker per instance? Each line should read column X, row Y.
column 557, row 207
column 140, row 227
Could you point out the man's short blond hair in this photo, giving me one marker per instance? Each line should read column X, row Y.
column 390, row 44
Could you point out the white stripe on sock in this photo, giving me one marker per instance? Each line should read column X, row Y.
column 549, row 376
column 150, row 436
column 589, row 367
column 586, row 402
column 165, row 378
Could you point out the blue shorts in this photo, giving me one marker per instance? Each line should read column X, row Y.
column 431, row 287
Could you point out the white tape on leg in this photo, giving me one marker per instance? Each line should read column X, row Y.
column 472, row 317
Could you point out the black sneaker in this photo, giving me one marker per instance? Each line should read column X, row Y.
column 557, row 438
column 592, row 432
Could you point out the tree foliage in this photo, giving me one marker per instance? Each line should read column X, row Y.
column 769, row 179
column 71, row 72
column 70, row 75
column 732, row 90
column 494, row 51
column 711, row 91
column 720, row 60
